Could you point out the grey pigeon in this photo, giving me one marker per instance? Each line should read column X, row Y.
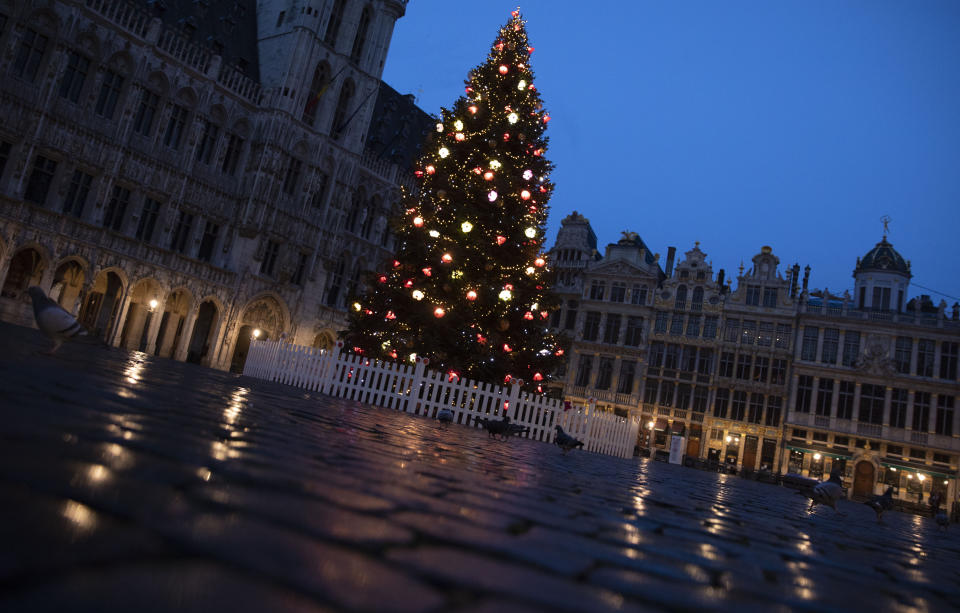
column 494, row 427
column 826, row 493
column 942, row 520
column 565, row 441
column 516, row 430
column 879, row 504
column 445, row 416
column 53, row 320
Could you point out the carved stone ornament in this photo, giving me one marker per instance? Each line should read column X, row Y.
column 875, row 359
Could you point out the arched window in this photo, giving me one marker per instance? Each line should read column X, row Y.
column 697, row 302
column 333, row 24
column 321, row 78
column 340, row 115
column 335, row 283
column 681, row 302
column 361, row 38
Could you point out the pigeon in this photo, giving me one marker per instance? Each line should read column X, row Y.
column 565, row 441
column 53, row 320
column 516, row 429
column 495, row 428
column 879, row 504
column 942, row 520
column 828, row 492
column 445, row 416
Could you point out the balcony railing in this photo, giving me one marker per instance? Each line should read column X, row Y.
column 893, row 435
column 127, row 15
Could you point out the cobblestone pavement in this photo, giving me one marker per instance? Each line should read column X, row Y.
column 133, row 483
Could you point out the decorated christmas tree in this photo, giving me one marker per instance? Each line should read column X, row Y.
column 469, row 287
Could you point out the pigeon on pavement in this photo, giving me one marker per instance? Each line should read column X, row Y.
column 516, row 429
column 445, row 416
column 879, row 504
column 565, row 441
column 494, row 427
column 53, row 320
column 827, row 493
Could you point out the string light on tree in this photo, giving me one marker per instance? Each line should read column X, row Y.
column 482, row 207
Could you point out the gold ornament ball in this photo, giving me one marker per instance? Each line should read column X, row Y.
column 492, row 143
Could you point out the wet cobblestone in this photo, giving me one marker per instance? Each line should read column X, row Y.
column 134, row 483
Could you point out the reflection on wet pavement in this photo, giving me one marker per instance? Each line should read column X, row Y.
column 135, row 483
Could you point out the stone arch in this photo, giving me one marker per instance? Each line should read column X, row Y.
column 69, row 277
column 187, row 97
column 158, row 83
column 142, row 305
column 175, row 307
column 321, row 79
column 45, row 20
column 89, row 44
column 264, row 317
column 218, row 114
column 120, row 62
column 325, row 339
column 102, row 301
column 203, row 337
column 242, row 127
column 26, row 268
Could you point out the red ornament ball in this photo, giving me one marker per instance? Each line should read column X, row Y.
column 503, row 69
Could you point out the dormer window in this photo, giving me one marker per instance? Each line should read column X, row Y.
column 753, row 295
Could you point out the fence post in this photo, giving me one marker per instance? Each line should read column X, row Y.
column 421, row 365
column 329, row 367
column 513, row 399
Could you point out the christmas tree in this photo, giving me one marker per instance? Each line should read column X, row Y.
column 469, row 287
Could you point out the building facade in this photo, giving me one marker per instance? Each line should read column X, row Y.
column 766, row 375
column 184, row 175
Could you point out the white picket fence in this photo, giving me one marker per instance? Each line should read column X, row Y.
column 421, row 391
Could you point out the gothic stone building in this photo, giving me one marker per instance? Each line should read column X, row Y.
column 767, row 374
column 186, row 175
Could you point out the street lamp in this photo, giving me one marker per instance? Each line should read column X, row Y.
column 650, row 438
column 817, row 456
column 153, row 304
column 922, row 477
column 256, row 333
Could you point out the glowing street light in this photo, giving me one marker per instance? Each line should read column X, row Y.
column 256, row 333
column 817, row 456
column 153, row 303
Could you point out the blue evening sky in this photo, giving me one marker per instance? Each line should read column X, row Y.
column 795, row 123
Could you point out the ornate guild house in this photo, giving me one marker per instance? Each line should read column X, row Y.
column 185, row 176
column 766, row 375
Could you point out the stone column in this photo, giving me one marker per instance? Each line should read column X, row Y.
column 887, row 396
column 136, row 316
column 813, row 395
column 121, row 318
column 938, row 348
column 856, row 402
column 180, row 354
column 820, row 332
column 173, row 322
column 914, row 346
column 792, row 404
column 932, row 423
column 910, row 396
column 156, row 316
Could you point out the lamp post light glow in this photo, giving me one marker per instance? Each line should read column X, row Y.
column 817, row 456
column 153, row 303
column 256, row 333
column 922, row 477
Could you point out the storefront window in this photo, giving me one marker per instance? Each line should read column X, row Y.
column 816, row 466
column 795, row 464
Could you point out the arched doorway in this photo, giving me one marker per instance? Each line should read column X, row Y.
column 263, row 318
column 203, row 331
column 25, row 270
column 174, row 316
column 863, row 478
column 102, row 303
column 144, row 300
column 68, row 284
column 323, row 340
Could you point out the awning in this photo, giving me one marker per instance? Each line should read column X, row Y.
column 661, row 424
column 678, row 427
column 918, row 469
column 823, row 452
